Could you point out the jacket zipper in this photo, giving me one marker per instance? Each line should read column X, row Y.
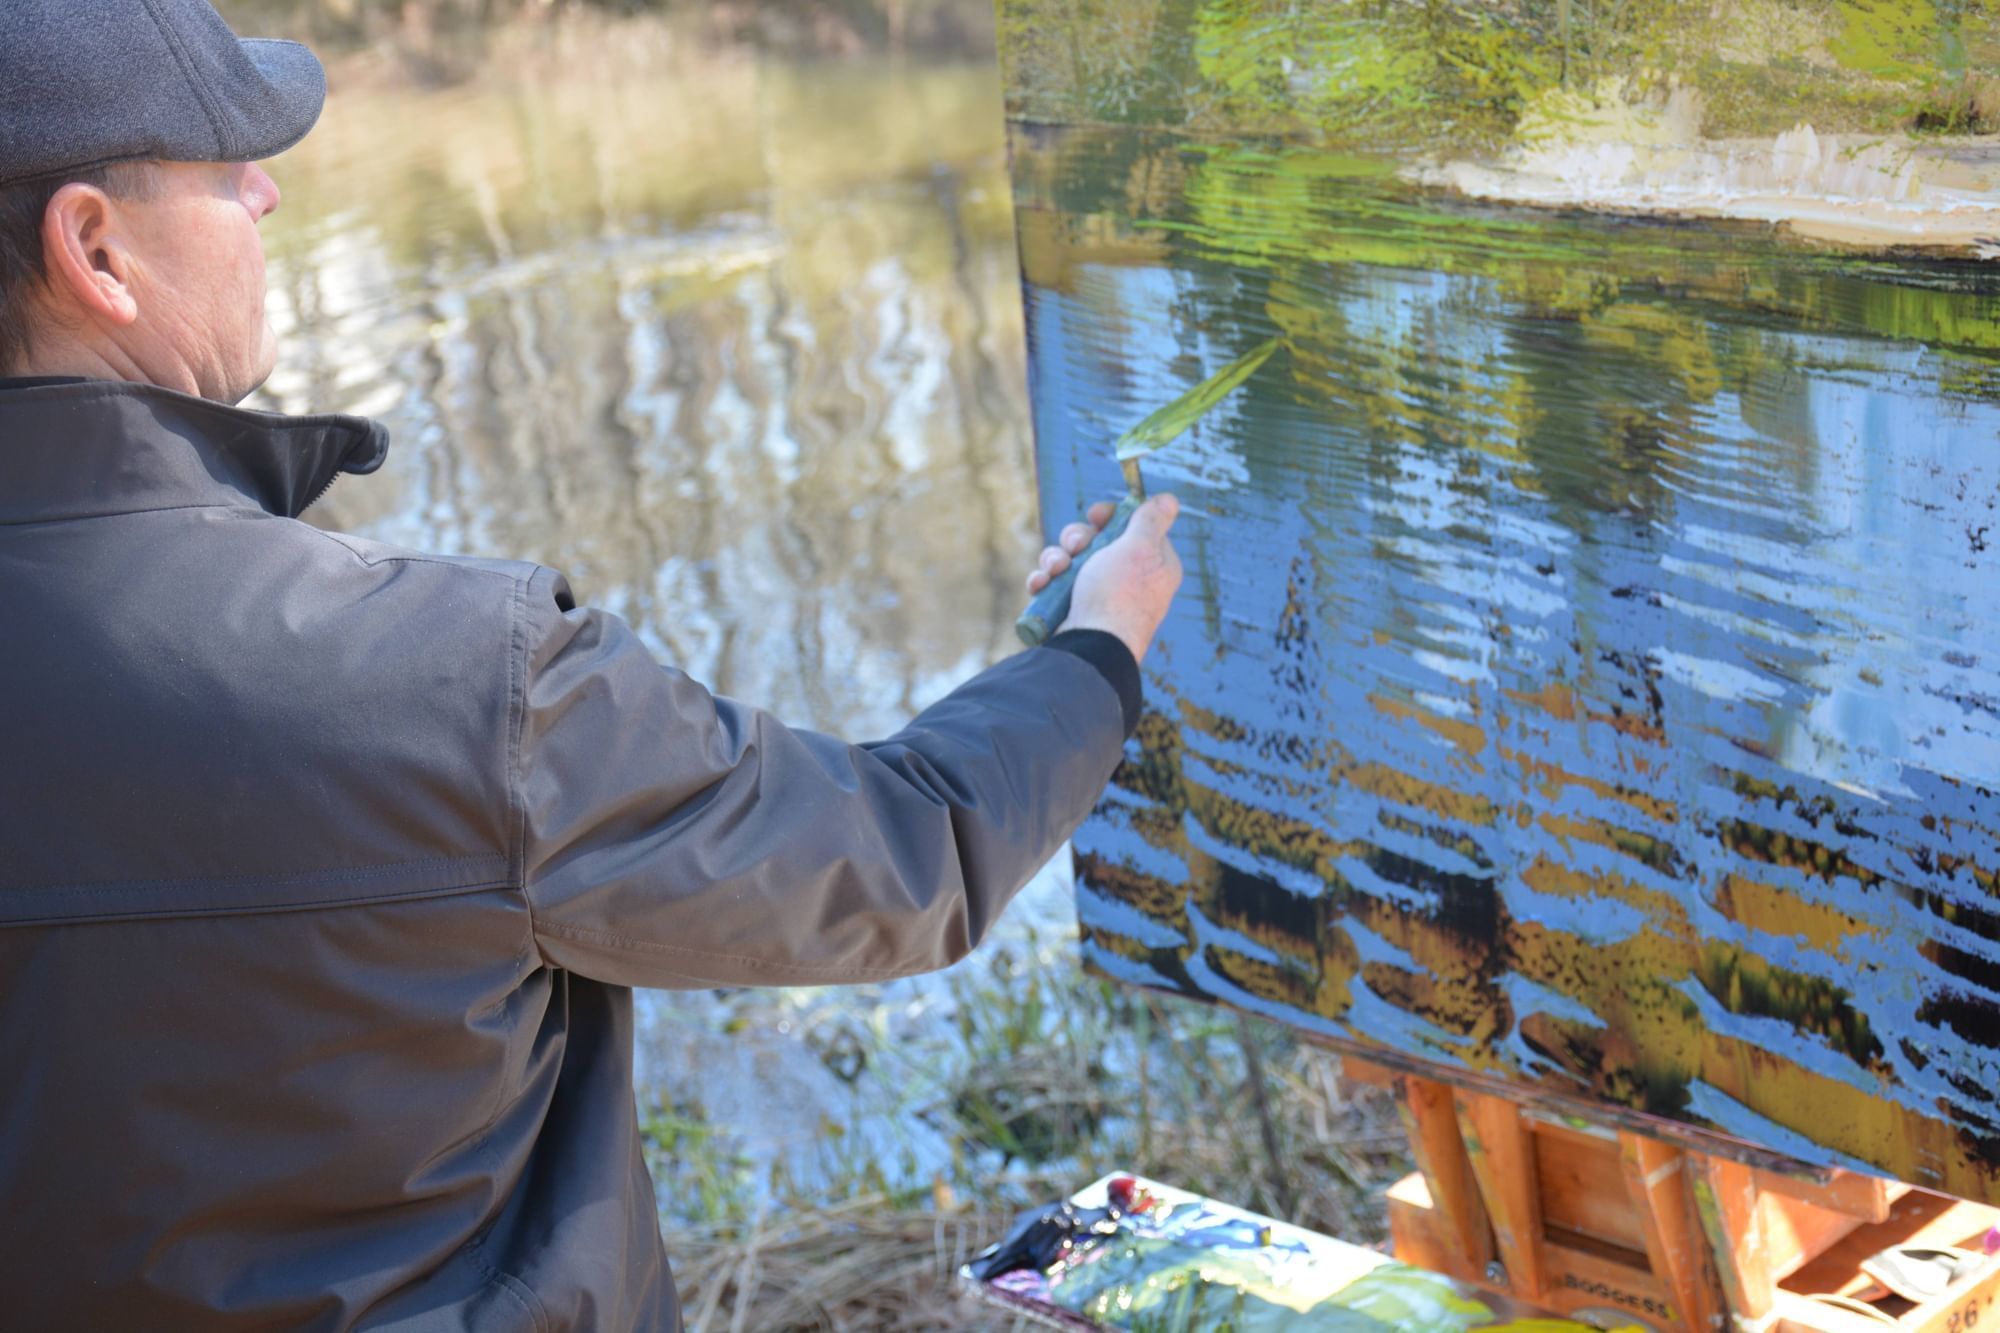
column 319, row 494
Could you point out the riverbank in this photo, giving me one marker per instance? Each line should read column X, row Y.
column 1868, row 191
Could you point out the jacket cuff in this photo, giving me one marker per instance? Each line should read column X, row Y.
column 1113, row 660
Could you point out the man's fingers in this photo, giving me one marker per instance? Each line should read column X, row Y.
column 1152, row 519
column 1128, row 590
column 1075, row 537
column 1053, row 562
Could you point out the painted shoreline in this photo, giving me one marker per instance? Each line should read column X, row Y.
column 1869, row 192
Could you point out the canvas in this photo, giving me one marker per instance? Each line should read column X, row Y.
column 1586, row 676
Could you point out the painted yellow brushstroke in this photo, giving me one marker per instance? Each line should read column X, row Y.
column 1553, row 779
column 1395, row 785
column 1782, row 912
column 1559, row 701
column 1845, row 1119
column 1547, row 876
column 1055, row 245
column 1640, row 847
column 1468, row 737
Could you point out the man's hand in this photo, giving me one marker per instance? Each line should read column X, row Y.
column 1126, row 588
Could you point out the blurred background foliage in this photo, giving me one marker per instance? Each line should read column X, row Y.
column 423, row 29
column 1468, row 73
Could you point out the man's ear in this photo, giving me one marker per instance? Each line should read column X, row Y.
column 88, row 258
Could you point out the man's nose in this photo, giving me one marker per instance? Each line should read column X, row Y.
column 263, row 193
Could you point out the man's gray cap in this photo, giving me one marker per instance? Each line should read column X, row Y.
column 84, row 82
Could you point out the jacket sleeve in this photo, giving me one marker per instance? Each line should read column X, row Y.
column 673, row 838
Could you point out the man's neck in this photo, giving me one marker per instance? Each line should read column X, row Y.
column 38, row 381
column 65, row 358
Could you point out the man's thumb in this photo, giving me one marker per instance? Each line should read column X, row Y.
column 1151, row 520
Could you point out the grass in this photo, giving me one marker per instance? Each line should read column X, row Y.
column 947, row 1104
column 869, row 1263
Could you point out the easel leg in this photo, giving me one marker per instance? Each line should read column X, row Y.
column 1726, row 1197
column 1656, row 1178
column 1502, row 1154
column 1430, row 1118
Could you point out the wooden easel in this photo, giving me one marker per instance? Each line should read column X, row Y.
column 1584, row 1220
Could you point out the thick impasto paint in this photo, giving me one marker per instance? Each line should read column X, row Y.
column 1588, row 674
column 1172, row 1260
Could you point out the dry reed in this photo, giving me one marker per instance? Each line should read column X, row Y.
column 874, row 1262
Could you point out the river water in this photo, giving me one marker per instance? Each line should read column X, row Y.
column 737, row 344
column 753, row 385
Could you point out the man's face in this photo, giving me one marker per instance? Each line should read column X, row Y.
column 199, row 277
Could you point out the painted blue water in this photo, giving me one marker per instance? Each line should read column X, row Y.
column 1500, row 620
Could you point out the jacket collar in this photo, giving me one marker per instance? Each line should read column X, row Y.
column 82, row 448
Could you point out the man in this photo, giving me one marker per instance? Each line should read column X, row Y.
column 325, row 866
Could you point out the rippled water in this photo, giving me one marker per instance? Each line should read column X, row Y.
column 736, row 343
column 1588, row 674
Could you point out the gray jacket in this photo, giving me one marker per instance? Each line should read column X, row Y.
column 325, row 866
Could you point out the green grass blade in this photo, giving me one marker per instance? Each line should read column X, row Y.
column 1170, row 421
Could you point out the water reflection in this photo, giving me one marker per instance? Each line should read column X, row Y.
column 738, row 345
column 1588, row 674
column 734, row 343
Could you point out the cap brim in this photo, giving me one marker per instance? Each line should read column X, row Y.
column 296, row 84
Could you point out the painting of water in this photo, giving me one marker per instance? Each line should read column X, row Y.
column 1588, row 674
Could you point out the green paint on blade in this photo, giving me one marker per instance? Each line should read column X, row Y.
column 1171, row 421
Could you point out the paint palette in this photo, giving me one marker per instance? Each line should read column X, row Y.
column 1179, row 1261
column 1587, row 679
